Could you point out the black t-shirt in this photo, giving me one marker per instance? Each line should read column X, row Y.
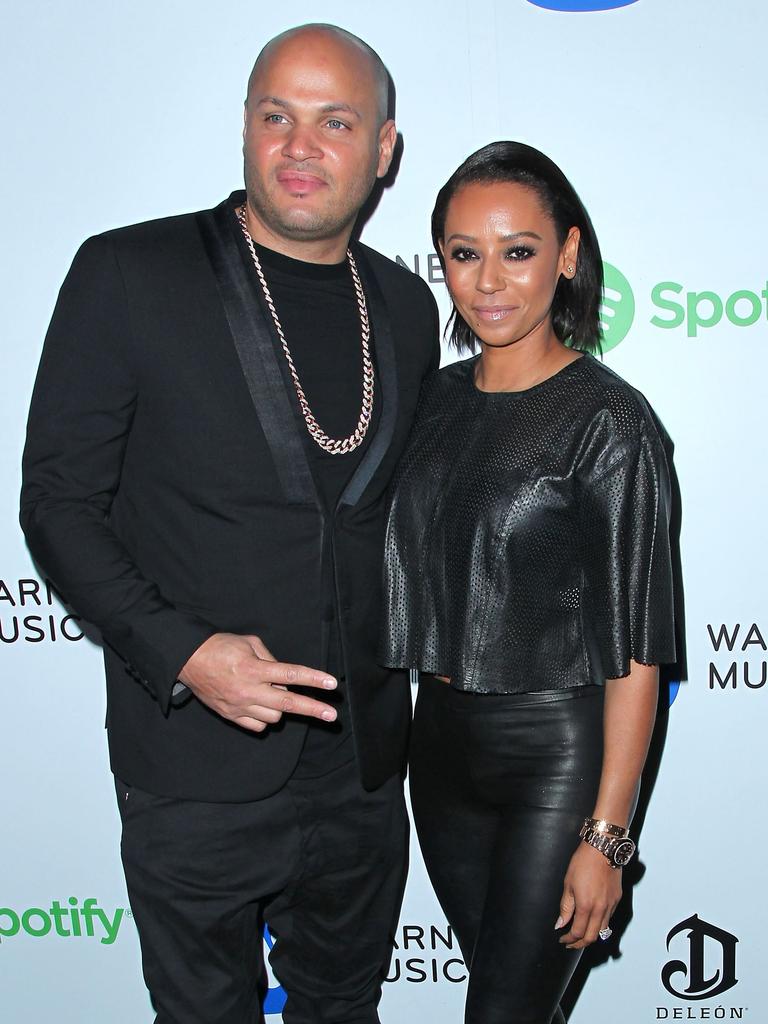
column 319, row 314
column 318, row 311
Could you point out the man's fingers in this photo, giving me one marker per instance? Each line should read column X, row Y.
column 299, row 675
column 238, row 678
column 251, row 724
column 286, row 674
column 259, row 717
column 275, row 703
column 260, row 649
column 264, row 713
column 297, row 704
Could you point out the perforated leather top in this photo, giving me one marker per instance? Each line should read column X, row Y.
column 528, row 539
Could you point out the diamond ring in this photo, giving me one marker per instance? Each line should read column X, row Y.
column 605, row 933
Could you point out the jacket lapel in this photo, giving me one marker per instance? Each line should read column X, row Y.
column 387, row 373
column 245, row 315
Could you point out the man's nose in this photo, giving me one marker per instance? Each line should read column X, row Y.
column 302, row 144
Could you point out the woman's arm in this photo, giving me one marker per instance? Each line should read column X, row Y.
column 592, row 888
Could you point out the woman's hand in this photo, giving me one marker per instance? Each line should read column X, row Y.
column 591, row 892
column 592, row 888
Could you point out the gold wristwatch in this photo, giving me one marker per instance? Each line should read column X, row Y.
column 618, row 849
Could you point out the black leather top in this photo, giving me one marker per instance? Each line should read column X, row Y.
column 528, row 541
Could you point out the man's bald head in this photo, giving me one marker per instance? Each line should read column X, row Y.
column 340, row 39
column 316, row 137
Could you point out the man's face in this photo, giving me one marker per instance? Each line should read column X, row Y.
column 313, row 140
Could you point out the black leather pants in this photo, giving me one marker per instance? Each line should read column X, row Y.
column 500, row 786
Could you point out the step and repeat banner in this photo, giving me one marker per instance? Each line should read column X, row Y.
column 656, row 111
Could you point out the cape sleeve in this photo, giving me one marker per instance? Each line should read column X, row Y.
column 629, row 594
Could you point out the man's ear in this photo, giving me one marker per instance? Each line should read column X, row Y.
column 387, row 140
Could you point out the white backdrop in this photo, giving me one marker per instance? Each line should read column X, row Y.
column 116, row 113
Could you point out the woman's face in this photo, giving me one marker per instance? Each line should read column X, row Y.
column 503, row 261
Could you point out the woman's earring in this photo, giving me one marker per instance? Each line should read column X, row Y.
column 570, row 268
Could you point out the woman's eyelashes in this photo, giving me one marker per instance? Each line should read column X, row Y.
column 516, row 253
column 520, row 252
column 462, row 254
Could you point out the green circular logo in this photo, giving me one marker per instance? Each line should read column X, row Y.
column 617, row 310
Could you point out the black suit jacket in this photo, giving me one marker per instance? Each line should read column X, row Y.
column 168, row 494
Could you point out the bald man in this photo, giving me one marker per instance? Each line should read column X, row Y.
column 220, row 404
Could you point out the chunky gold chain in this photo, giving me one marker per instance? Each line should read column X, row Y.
column 329, row 444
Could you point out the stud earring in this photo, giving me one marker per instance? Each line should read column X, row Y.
column 570, row 268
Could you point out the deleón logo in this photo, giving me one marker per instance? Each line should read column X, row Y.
column 582, row 5
column 66, row 921
column 707, row 945
column 617, row 310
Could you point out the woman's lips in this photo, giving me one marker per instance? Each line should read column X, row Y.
column 299, row 184
column 492, row 314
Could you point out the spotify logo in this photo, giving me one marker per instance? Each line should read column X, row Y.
column 582, row 5
column 705, row 309
column 695, row 312
column 69, row 919
column 617, row 310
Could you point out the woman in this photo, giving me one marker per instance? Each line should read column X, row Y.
column 528, row 576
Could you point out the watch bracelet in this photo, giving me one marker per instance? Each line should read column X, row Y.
column 603, row 827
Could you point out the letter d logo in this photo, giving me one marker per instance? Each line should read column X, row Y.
column 710, row 967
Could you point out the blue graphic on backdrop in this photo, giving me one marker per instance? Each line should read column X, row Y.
column 276, row 997
column 581, row 5
column 674, row 689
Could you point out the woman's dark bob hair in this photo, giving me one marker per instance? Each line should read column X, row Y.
column 576, row 302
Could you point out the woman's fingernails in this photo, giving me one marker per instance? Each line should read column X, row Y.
column 559, row 922
column 329, row 684
column 329, row 716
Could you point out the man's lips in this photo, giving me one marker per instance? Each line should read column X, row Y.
column 492, row 314
column 299, row 182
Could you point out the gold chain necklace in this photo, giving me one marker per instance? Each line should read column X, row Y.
column 329, row 444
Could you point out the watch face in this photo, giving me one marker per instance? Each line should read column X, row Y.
column 623, row 852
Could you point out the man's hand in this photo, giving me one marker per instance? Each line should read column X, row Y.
column 237, row 677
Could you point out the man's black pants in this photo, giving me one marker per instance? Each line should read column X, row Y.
column 322, row 862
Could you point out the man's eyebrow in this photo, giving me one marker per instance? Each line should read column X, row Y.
column 340, row 108
column 273, row 101
column 327, row 108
